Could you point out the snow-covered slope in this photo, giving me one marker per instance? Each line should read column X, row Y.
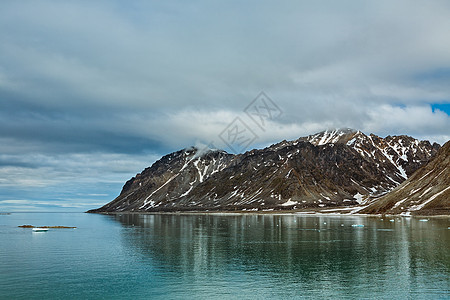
column 401, row 153
column 426, row 192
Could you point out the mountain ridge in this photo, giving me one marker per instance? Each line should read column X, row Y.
column 329, row 169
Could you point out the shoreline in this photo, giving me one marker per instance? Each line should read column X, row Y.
column 271, row 212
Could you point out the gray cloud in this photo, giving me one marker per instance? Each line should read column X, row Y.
column 141, row 79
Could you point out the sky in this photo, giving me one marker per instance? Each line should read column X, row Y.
column 92, row 92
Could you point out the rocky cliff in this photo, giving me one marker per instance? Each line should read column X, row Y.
column 328, row 169
column 427, row 192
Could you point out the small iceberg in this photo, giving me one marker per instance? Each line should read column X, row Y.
column 357, row 225
column 39, row 229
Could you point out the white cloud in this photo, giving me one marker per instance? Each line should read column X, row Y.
column 418, row 119
column 79, row 168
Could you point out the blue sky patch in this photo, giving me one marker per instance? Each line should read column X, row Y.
column 445, row 107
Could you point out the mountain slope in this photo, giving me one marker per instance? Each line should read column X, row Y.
column 401, row 155
column 427, row 192
column 171, row 177
column 332, row 168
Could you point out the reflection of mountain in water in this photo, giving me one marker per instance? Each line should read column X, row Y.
column 290, row 250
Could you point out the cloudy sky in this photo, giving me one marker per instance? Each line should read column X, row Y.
column 92, row 92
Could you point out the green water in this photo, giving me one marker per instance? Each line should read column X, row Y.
column 217, row 256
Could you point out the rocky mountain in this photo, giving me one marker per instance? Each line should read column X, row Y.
column 401, row 155
column 328, row 169
column 426, row 192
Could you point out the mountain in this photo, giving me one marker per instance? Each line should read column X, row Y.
column 426, row 192
column 401, row 155
column 332, row 168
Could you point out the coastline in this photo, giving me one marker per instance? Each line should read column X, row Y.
column 268, row 212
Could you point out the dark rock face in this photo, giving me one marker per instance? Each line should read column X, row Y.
column 331, row 168
column 427, row 192
column 401, row 155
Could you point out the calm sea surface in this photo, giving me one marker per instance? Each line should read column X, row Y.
column 217, row 256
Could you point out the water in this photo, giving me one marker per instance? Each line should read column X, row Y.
column 216, row 256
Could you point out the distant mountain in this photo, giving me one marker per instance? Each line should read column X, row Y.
column 328, row 169
column 427, row 192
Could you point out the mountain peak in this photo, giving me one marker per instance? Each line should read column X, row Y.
column 332, row 136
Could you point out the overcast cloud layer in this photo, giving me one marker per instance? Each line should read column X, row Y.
column 92, row 92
